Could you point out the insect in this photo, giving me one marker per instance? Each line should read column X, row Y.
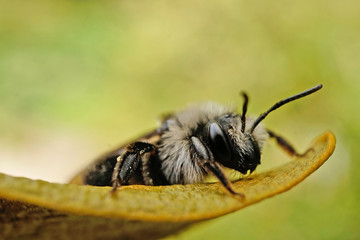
column 189, row 145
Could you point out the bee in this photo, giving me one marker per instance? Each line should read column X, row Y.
column 189, row 145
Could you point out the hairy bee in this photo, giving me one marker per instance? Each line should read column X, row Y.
column 188, row 146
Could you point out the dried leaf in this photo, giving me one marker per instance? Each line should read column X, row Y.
column 33, row 209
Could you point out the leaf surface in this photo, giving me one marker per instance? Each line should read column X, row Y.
column 38, row 209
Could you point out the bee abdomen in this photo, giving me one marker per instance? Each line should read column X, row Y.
column 101, row 173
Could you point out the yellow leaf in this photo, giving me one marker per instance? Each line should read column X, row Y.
column 34, row 209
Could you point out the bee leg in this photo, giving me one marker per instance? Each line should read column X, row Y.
column 205, row 157
column 145, row 162
column 128, row 162
column 285, row 145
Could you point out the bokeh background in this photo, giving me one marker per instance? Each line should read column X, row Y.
column 78, row 78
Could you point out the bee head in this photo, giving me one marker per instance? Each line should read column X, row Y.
column 236, row 145
column 230, row 146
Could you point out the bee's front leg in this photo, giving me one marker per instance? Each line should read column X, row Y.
column 285, row 145
column 128, row 162
column 204, row 156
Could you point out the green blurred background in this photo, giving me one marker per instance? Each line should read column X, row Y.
column 78, row 78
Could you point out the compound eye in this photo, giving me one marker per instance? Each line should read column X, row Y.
column 219, row 143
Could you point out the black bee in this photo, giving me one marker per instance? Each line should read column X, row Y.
column 188, row 146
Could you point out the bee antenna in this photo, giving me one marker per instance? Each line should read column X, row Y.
column 244, row 110
column 284, row 101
